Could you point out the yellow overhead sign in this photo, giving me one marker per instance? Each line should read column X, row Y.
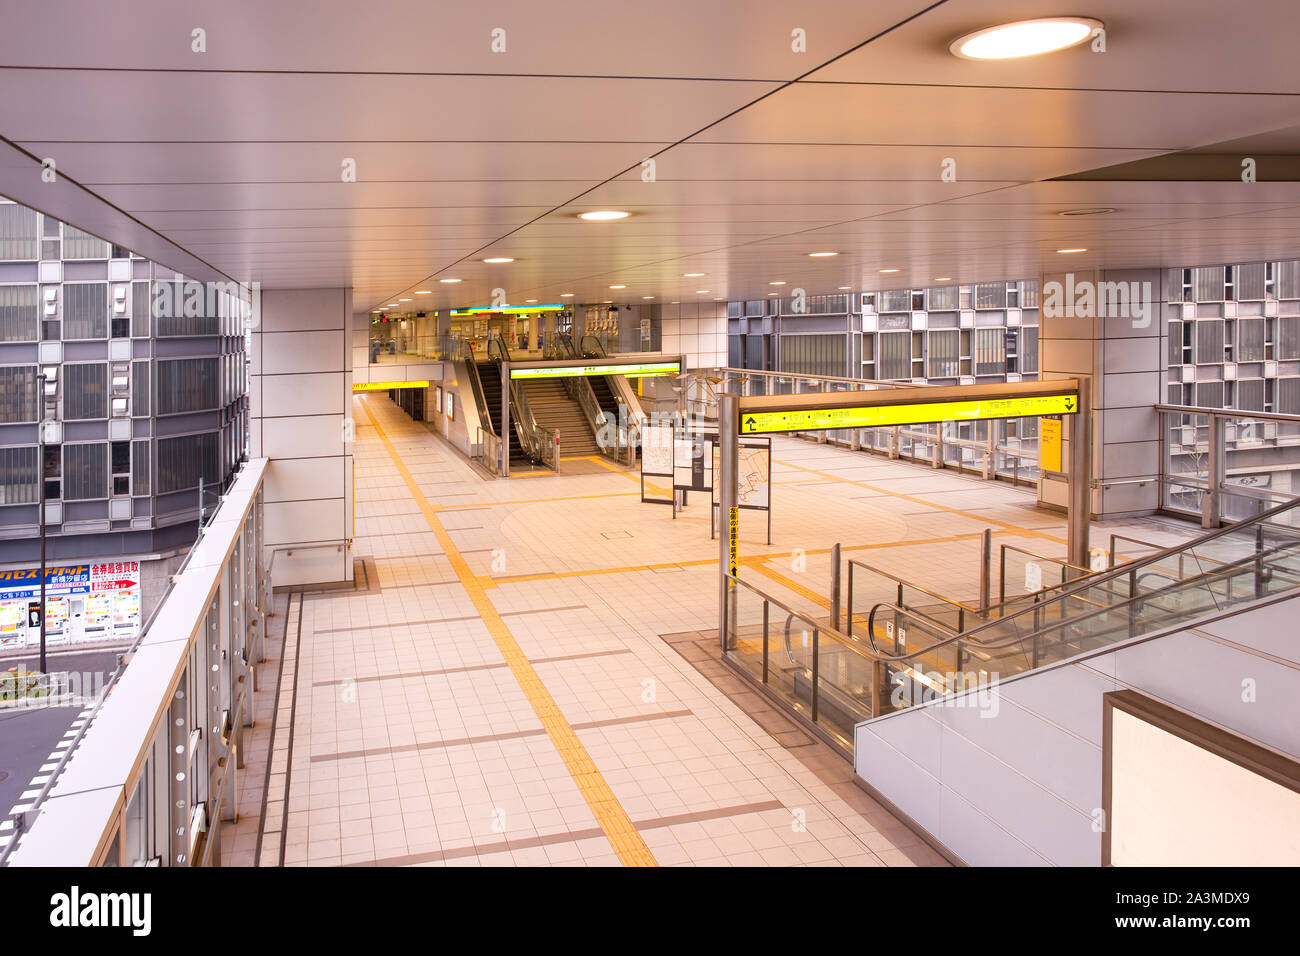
column 385, row 386
column 913, row 413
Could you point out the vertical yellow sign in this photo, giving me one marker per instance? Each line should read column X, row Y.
column 733, row 528
column 1049, row 444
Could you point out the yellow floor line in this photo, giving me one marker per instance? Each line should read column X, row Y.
column 609, row 813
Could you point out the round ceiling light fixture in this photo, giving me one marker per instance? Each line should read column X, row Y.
column 1010, row 41
column 494, row 260
column 1094, row 211
column 603, row 215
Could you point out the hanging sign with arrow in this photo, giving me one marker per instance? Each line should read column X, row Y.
column 911, row 413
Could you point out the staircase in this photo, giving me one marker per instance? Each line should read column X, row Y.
column 554, row 409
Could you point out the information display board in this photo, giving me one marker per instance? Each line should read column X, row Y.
column 753, row 477
column 656, row 457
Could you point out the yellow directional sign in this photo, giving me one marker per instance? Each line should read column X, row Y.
column 913, row 413
column 385, row 386
column 631, row 370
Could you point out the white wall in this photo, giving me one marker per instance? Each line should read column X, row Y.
column 1024, row 787
column 698, row 331
column 300, row 412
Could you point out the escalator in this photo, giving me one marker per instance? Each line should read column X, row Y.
column 489, row 375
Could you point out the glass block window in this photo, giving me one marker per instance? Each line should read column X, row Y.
column 85, row 471
column 18, row 479
column 18, row 395
column 19, row 313
column 85, row 310
column 18, row 232
column 85, row 390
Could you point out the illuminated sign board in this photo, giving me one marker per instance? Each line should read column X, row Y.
column 915, row 413
column 509, row 310
column 631, row 370
column 385, row 386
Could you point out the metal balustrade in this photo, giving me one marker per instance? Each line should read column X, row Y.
column 153, row 776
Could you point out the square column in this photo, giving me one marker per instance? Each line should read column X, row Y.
column 300, row 418
column 1109, row 327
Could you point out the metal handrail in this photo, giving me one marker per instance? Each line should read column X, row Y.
column 1282, row 417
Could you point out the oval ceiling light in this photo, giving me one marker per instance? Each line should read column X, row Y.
column 692, row 275
column 701, row 291
column 403, row 300
column 820, row 255
column 449, row 281
column 496, row 259
column 885, row 271
column 424, row 292
column 530, row 300
column 1097, row 211
column 1024, row 38
column 943, row 278
column 618, row 287
column 1065, row 251
column 566, row 295
column 647, row 297
column 844, row 288
column 603, row 215
column 777, row 282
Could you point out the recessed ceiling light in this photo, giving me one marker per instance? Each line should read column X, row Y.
column 844, row 288
column 647, row 297
column 943, row 278
column 566, row 295
column 530, row 300
column 392, row 305
column 883, row 271
column 692, row 275
column 1080, row 249
column 819, row 255
column 701, row 291
column 496, row 259
column 618, row 287
column 1024, row 38
column 376, row 311
column 448, row 280
column 777, row 282
column 607, row 302
column 603, row 215
column 403, row 300
column 774, row 293
column 423, row 292
column 1095, row 211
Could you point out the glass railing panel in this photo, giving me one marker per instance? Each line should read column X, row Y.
column 747, row 626
column 845, row 686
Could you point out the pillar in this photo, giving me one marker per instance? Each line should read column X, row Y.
column 1120, row 350
column 301, row 419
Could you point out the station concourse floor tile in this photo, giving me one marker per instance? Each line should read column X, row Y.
column 525, row 671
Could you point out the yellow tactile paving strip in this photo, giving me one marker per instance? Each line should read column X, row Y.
column 622, row 834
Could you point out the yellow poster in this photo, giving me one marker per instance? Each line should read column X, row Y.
column 1049, row 444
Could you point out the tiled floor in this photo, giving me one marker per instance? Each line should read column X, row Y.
column 500, row 688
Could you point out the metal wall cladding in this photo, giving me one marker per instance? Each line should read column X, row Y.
column 19, row 313
column 814, row 354
column 1250, row 394
column 1250, row 340
column 1287, row 396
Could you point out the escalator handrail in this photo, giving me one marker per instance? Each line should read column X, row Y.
column 967, row 637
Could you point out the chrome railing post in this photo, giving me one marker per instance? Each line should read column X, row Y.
column 816, row 668
column 835, row 586
column 766, row 640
